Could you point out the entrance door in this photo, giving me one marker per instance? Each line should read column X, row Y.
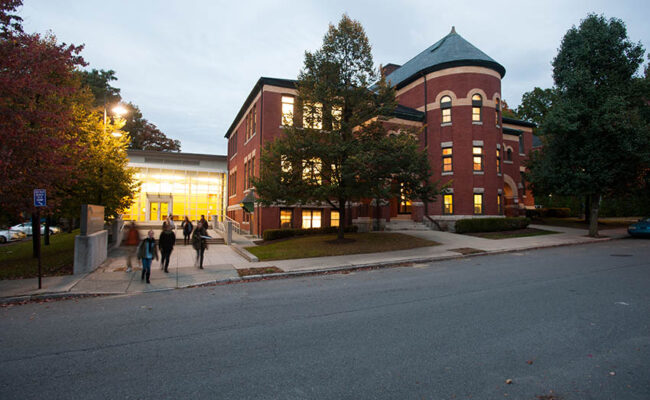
column 404, row 204
column 164, row 210
column 154, row 208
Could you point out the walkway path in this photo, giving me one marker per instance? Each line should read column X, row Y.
column 221, row 263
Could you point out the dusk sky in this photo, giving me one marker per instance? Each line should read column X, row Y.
column 190, row 65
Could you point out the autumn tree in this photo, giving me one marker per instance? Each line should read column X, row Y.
column 324, row 155
column 597, row 137
column 37, row 94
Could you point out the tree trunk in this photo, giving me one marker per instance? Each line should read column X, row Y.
column 47, row 231
column 593, row 215
column 342, row 219
column 377, row 215
column 587, row 209
column 36, row 233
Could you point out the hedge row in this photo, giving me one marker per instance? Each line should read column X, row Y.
column 472, row 225
column 272, row 234
column 556, row 212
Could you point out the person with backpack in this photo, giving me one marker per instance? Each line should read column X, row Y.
column 187, row 230
column 166, row 242
column 199, row 242
column 147, row 251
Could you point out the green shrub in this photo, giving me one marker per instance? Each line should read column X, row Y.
column 273, row 234
column 472, row 225
column 556, row 212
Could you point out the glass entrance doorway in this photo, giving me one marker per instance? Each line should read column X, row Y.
column 404, row 204
column 158, row 210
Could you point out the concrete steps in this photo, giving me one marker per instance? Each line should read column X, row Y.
column 405, row 225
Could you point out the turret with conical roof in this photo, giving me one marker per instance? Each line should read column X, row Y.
column 450, row 51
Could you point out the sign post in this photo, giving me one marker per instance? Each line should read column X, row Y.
column 40, row 200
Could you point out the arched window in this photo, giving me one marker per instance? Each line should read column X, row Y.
column 497, row 107
column 445, row 107
column 509, row 155
column 477, row 103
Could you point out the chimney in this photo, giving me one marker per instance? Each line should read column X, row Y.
column 389, row 68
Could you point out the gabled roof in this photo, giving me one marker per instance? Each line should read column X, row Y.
column 286, row 83
column 450, row 51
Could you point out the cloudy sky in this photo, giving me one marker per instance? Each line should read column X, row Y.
column 189, row 65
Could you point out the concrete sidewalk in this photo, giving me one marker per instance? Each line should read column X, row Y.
column 221, row 263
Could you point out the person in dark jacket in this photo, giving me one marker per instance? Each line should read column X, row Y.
column 187, row 230
column 199, row 242
column 166, row 242
column 147, row 250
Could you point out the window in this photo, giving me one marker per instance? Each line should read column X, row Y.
column 249, row 170
column 232, row 184
column 448, row 204
column 247, row 217
column 286, row 218
column 311, row 171
column 499, row 205
column 497, row 107
column 447, row 165
column 232, row 144
column 287, row 110
column 498, row 161
column 335, row 218
column 522, row 150
column 445, row 107
column 311, row 219
column 337, row 115
column 478, row 203
column 477, row 103
column 251, row 123
column 477, row 153
column 312, row 116
column 509, row 155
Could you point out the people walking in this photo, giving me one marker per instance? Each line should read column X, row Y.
column 147, row 250
column 170, row 222
column 204, row 222
column 199, row 242
column 166, row 242
column 187, row 230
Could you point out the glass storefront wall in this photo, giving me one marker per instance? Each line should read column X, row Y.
column 176, row 192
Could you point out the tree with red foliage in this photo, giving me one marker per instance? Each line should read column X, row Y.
column 37, row 94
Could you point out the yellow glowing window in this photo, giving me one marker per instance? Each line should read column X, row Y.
column 335, row 218
column 287, row 110
column 447, row 159
column 477, row 158
column 311, row 171
column 337, row 115
column 445, row 106
column 285, row 218
column 311, row 219
column 312, row 116
column 498, row 161
column 477, row 103
column 478, row 203
column 448, row 202
column 499, row 206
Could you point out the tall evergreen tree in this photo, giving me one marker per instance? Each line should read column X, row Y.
column 324, row 157
column 597, row 140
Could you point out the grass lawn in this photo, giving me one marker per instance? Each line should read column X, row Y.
column 579, row 223
column 16, row 260
column 513, row 234
column 324, row 245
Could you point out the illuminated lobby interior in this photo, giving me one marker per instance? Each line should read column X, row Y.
column 181, row 184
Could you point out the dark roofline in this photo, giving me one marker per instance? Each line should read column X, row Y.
column 519, row 122
column 510, row 131
column 286, row 83
column 175, row 155
column 451, row 64
column 408, row 113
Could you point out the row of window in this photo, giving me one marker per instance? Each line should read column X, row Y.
column 448, row 204
column 477, row 159
column 311, row 218
column 477, row 106
column 312, row 114
column 249, row 171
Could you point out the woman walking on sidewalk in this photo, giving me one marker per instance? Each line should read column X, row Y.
column 147, row 250
column 199, row 242
column 166, row 242
column 187, row 230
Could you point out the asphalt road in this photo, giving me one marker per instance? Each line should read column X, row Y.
column 567, row 323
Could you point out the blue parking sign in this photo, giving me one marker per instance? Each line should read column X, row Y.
column 40, row 199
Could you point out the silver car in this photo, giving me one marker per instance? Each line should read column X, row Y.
column 26, row 228
column 9, row 235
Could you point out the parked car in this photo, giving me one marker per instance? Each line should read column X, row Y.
column 9, row 235
column 26, row 228
column 640, row 228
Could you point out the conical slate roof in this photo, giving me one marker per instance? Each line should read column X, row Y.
column 450, row 51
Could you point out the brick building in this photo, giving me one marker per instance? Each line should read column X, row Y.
column 451, row 92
